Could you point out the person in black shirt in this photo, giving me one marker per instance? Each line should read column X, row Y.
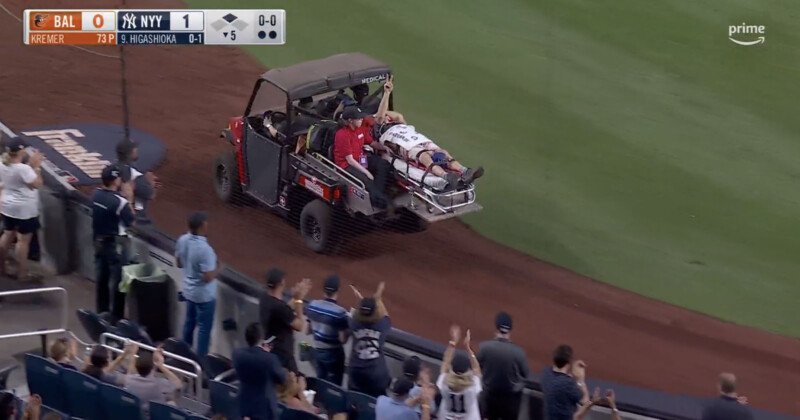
column 259, row 373
column 564, row 385
column 729, row 405
column 504, row 368
column 112, row 214
column 281, row 320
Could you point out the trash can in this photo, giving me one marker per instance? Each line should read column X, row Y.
column 149, row 289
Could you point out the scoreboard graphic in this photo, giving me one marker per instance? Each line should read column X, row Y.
column 154, row 27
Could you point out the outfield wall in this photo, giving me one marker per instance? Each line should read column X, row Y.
column 67, row 246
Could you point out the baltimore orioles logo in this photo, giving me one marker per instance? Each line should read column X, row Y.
column 39, row 20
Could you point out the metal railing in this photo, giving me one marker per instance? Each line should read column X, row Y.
column 195, row 378
column 43, row 333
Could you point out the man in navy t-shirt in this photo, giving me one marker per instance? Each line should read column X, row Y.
column 729, row 405
column 563, row 385
column 370, row 326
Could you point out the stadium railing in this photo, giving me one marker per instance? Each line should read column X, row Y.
column 41, row 332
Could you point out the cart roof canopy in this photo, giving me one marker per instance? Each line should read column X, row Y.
column 327, row 74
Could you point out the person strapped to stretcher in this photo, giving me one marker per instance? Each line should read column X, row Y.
column 406, row 142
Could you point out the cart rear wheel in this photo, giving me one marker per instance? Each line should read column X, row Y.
column 316, row 226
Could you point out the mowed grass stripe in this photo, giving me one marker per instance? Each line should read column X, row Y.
column 629, row 141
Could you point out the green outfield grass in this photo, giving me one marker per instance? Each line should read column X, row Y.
column 629, row 141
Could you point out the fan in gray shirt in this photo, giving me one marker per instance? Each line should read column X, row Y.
column 142, row 383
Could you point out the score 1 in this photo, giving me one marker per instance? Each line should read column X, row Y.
column 188, row 20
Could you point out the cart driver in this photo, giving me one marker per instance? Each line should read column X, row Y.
column 348, row 154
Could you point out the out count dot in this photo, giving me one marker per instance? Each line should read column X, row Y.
column 273, row 34
column 262, row 34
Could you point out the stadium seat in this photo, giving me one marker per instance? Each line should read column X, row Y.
column 132, row 330
column 215, row 364
column 224, row 399
column 292, row 414
column 166, row 412
column 329, row 396
column 181, row 348
column 47, row 410
column 4, row 374
column 123, row 404
column 83, row 395
column 93, row 324
column 44, row 378
column 362, row 406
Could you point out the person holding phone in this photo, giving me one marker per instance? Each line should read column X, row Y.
column 259, row 372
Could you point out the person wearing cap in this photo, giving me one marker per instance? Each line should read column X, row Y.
column 398, row 405
column 505, row 370
column 564, row 385
column 421, row 376
column 370, row 325
column 259, row 372
column 281, row 320
column 330, row 327
column 348, row 154
column 112, row 215
column 459, row 380
column 19, row 204
column 200, row 268
column 142, row 186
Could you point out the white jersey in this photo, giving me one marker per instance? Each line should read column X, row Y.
column 459, row 405
column 405, row 136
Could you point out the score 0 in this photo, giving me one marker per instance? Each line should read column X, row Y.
column 98, row 21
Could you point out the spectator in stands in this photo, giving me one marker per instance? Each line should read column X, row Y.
column 729, row 405
column 8, row 407
column 99, row 368
column 142, row 383
column 564, row 385
column 292, row 393
column 330, row 327
column 141, row 187
column 398, row 406
column 64, row 351
column 459, row 381
column 200, row 267
column 112, row 214
column 504, row 369
column 281, row 320
column 259, row 372
column 370, row 325
column 421, row 376
column 19, row 203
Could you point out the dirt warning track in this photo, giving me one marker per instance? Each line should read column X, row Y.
column 449, row 274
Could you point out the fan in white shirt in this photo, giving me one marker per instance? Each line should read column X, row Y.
column 459, row 381
column 19, row 204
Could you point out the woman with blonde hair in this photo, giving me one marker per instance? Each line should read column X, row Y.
column 459, row 381
column 292, row 393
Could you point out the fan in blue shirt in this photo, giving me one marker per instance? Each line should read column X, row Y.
column 330, row 327
column 200, row 268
